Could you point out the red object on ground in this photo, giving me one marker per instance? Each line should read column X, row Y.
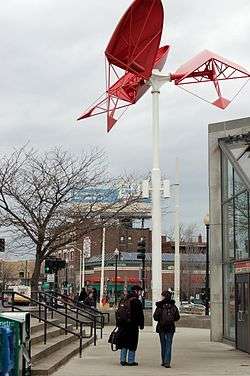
column 135, row 42
column 209, row 67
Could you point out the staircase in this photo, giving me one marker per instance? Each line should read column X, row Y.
column 58, row 331
column 58, row 350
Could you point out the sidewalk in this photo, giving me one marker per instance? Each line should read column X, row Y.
column 193, row 355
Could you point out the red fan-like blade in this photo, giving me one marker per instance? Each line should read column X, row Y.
column 209, row 67
column 126, row 91
column 134, row 44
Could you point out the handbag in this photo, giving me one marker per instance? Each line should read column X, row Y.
column 113, row 339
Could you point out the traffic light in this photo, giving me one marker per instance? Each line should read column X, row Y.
column 52, row 265
column 141, row 250
column 49, row 265
column 2, row 245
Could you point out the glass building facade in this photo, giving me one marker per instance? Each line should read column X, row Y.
column 235, row 214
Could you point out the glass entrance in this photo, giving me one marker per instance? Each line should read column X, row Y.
column 243, row 312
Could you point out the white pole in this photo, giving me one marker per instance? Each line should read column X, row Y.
column 83, row 268
column 156, row 202
column 102, row 266
column 157, row 80
column 177, row 237
column 80, row 271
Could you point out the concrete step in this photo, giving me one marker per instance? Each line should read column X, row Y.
column 38, row 336
column 37, row 326
column 40, row 350
column 49, row 364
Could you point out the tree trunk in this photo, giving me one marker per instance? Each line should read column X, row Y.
column 35, row 277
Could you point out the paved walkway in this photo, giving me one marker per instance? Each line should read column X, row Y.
column 193, row 355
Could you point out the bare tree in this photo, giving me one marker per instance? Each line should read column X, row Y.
column 38, row 192
column 192, row 264
column 7, row 273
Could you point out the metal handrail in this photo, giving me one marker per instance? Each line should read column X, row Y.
column 73, row 309
column 80, row 323
column 85, row 306
column 80, row 308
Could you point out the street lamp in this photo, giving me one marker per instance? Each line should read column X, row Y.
column 81, row 266
column 116, row 253
column 206, row 223
column 66, row 275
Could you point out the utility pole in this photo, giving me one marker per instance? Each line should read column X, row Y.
column 177, row 237
column 102, row 266
column 26, row 273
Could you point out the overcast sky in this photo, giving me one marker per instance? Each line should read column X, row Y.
column 52, row 68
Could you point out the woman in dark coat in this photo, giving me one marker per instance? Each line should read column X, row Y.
column 129, row 329
column 166, row 314
column 83, row 295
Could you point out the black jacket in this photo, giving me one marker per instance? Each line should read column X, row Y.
column 129, row 331
column 170, row 328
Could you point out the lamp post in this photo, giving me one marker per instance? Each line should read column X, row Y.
column 116, row 253
column 81, row 266
column 66, row 275
column 206, row 223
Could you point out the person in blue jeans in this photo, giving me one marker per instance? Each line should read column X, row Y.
column 129, row 319
column 166, row 314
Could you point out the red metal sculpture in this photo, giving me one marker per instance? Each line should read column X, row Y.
column 135, row 42
column 127, row 90
column 209, row 67
column 133, row 52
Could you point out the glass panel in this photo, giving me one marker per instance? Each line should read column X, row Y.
column 228, row 231
column 241, row 226
column 227, row 178
column 239, row 186
column 244, row 162
column 229, row 301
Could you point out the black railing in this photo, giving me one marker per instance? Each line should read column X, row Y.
column 42, row 315
column 103, row 317
column 60, row 302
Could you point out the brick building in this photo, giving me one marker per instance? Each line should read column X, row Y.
column 125, row 237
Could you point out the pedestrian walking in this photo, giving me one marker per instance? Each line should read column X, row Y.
column 83, row 295
column 95, row 296
column 90, row 301
column 166, row 314
column 129, row 318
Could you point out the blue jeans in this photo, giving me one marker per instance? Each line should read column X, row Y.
column 166, row 347
column 131, row 356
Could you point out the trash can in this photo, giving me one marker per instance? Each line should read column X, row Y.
column 10, row 347
column 15, row 344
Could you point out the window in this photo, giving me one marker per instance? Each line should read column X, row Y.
column 229, row 301
column 228, row 231
column 227, row 178
column 236, row 233
column 241, row 226
column 122, row 239
column 129, row 239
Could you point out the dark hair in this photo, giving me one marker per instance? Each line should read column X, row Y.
column 136, row 288
column 167, row 294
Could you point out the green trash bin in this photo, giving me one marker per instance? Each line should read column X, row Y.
column 16, row 343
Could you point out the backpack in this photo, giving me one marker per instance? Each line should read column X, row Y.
column 167, row 315
column 123, row 313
